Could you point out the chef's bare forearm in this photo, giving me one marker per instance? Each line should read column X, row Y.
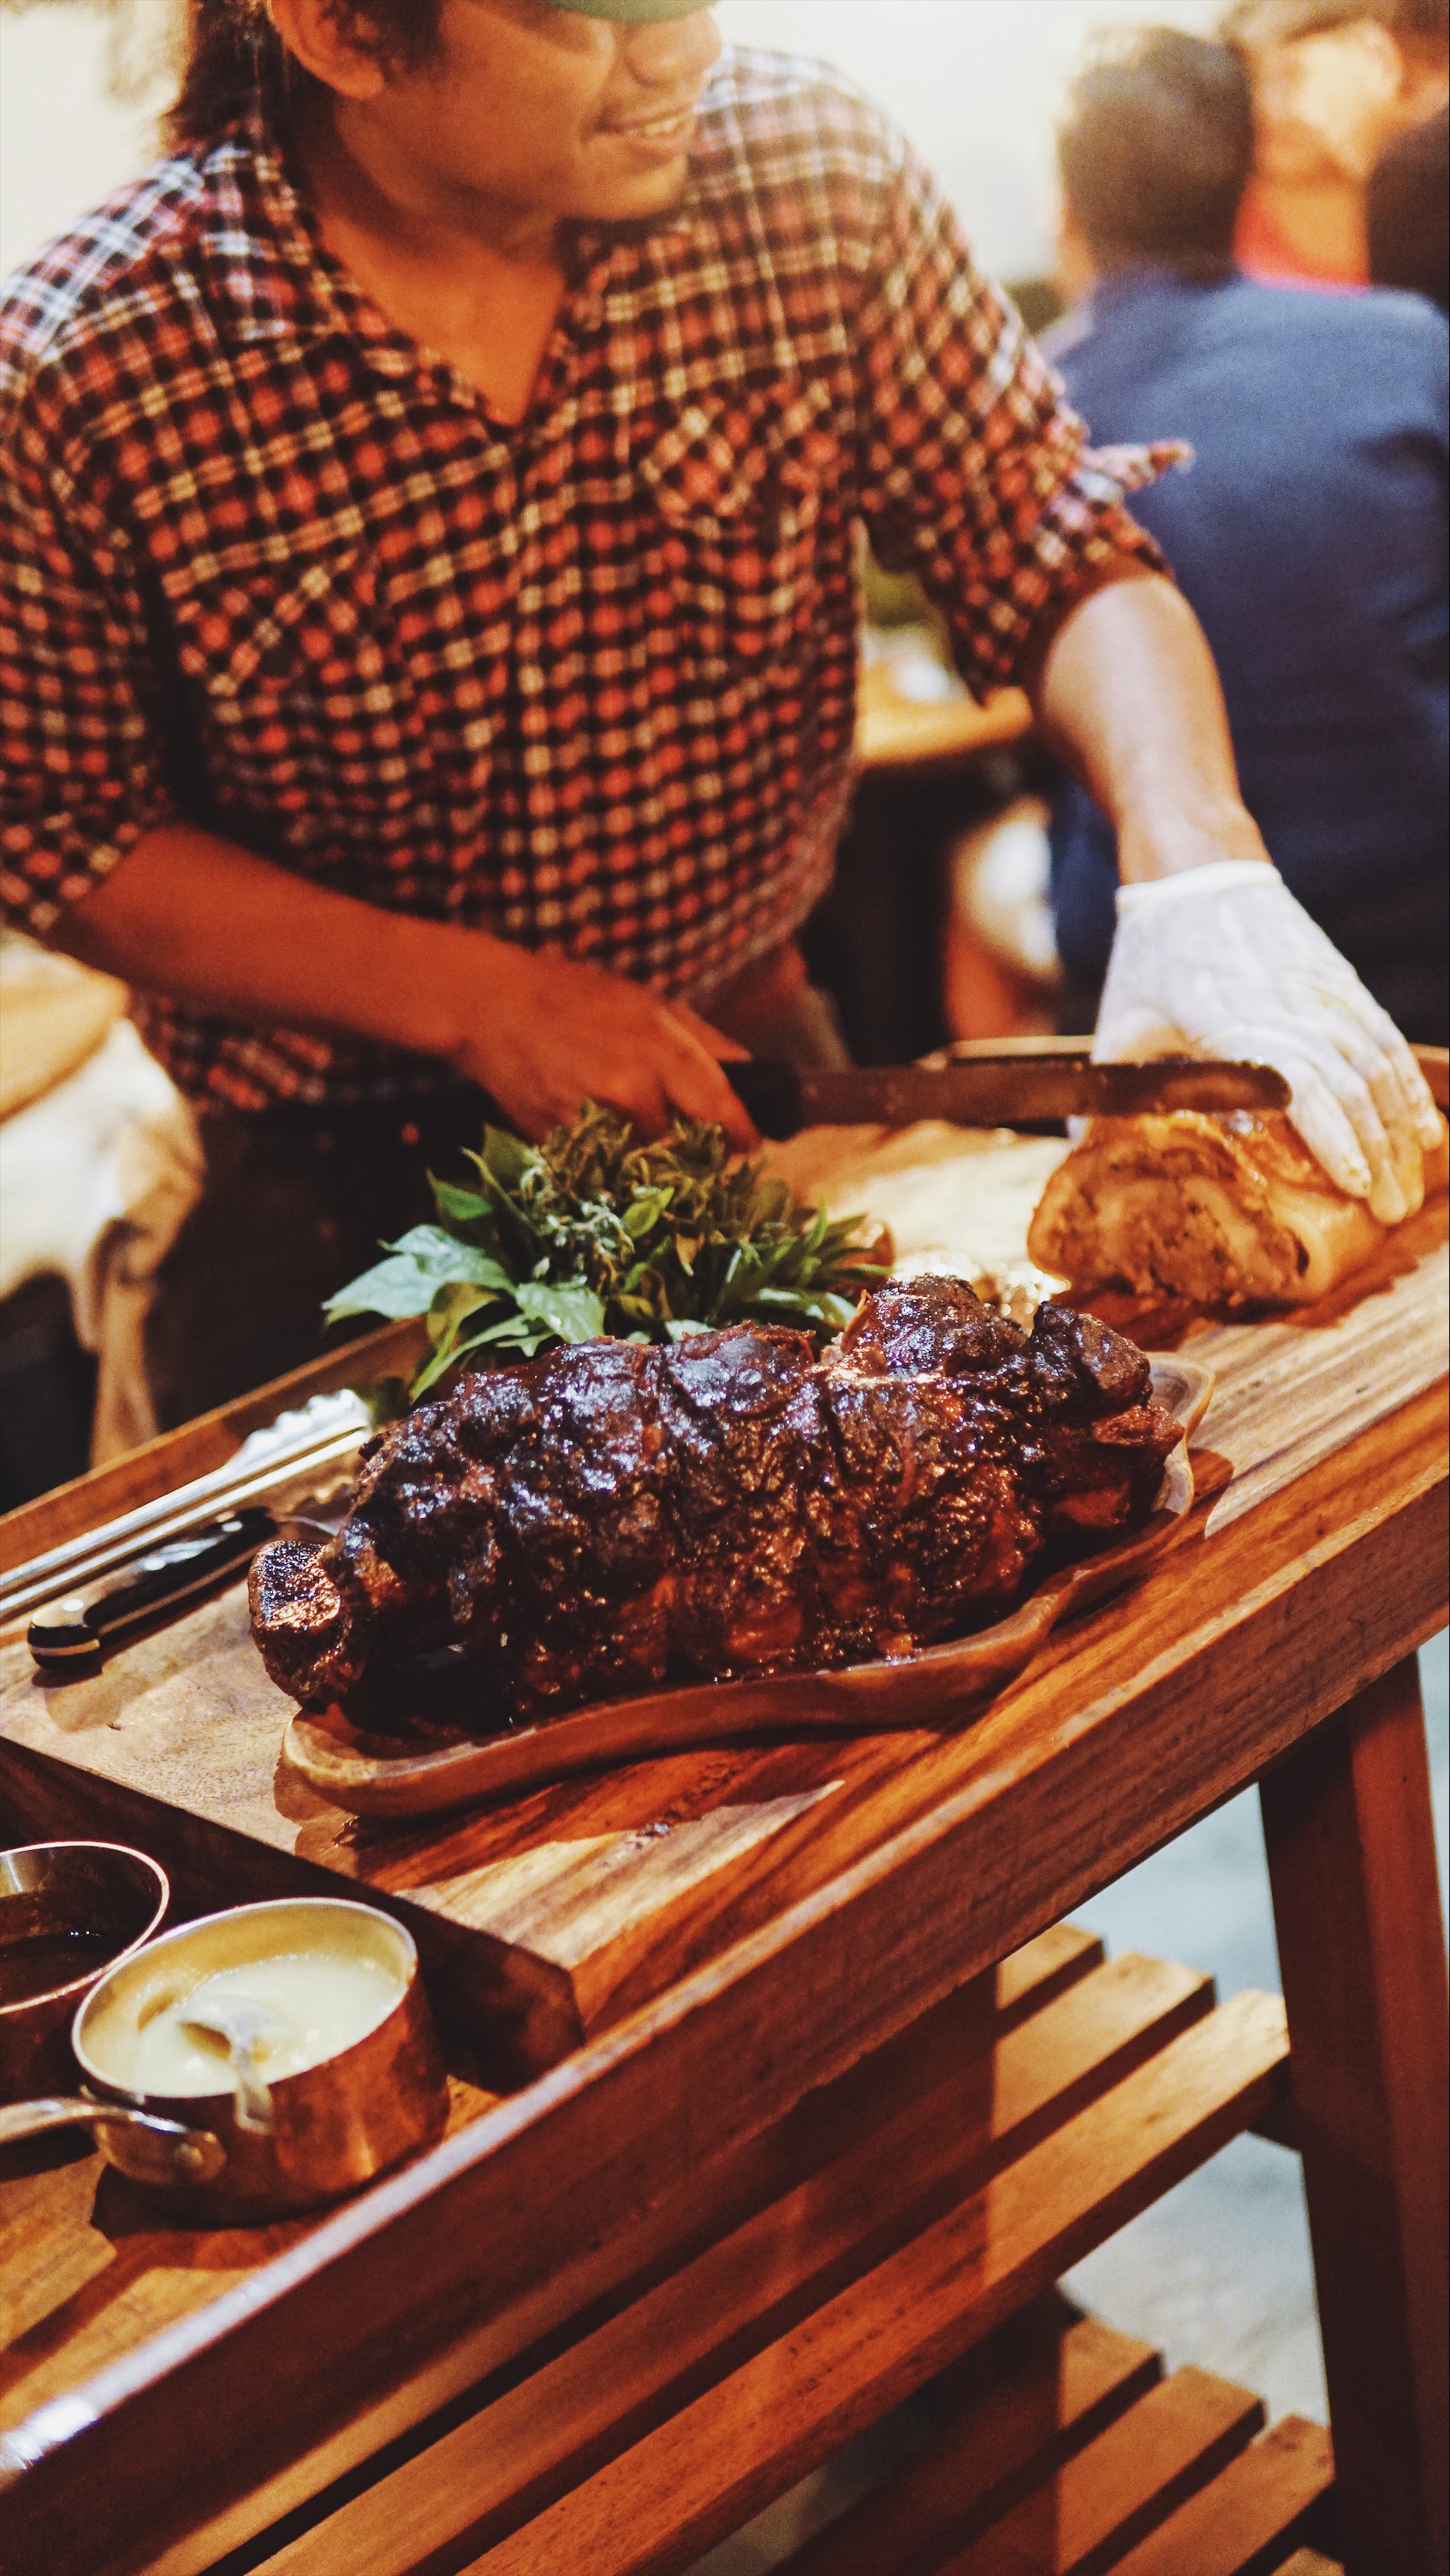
column 1126, row 694
column 195, row 916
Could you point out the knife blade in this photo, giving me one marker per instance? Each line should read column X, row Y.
column 1008, row 1090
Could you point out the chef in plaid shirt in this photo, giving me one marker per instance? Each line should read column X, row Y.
column 432, row 501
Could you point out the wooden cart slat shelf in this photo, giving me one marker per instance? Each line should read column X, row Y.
column 1061, row 2449
column 715, row 2463
column 886, row 2226
column 1003, row 2421
column 1274, row 2493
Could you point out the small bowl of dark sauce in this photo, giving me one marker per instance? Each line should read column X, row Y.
column 68, row 1911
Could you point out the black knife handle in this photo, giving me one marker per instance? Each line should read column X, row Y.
column 771, row 1092
column 72, row 1628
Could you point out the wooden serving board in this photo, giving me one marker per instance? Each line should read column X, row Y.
column 549, row 1915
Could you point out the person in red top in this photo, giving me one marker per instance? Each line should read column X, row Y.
column 430, row 544
column 1335, row 82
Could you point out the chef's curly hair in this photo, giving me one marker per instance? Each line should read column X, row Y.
column 234, row 54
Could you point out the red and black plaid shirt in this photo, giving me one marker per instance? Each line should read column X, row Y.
column 589, row 681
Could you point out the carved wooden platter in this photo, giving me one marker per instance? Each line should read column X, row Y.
column 372, row 1776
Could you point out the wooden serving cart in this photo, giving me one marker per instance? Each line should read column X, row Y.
column 782, row 2088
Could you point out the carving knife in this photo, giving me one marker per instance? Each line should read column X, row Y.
column 1006, row 1089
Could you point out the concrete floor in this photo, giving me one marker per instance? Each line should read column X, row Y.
column 1217, row 2272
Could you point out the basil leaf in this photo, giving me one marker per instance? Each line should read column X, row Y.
column 515, row 1334
column 454, row 1302
column 442, row 1257
column 462, row 1207
column 506, row 1160
column 393, row 1288
column 386, row 1398
column 429, row 1374
column 573, row 1312
column 509, row 1328
column 644, row 1213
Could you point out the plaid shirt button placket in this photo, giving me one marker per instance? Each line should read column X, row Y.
column 590, row 682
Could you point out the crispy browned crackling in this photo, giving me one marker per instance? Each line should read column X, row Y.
column 1226, row 1211
column 612, row 1518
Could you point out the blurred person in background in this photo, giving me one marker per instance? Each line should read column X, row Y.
column 1409, row 211
column 1309, row 534
column 1335, row 83
column 431, row 502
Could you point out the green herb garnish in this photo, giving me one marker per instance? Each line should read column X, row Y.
column 593, row 1233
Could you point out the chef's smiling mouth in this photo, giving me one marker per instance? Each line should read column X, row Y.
column 661, row 127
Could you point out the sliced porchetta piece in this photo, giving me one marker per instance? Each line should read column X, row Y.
column 1227, row 1211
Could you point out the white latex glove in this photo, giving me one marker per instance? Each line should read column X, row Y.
column 1221, row 961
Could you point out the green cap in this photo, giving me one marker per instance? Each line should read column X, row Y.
column 636, row 13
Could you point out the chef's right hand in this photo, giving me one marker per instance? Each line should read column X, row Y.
column 1222, row 961
column 544, row 1033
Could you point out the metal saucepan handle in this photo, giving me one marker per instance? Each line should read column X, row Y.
column 140, row 2144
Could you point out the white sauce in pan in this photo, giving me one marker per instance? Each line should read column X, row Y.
column 316, row 2003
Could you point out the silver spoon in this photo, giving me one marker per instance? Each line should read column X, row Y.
column 244, row 2029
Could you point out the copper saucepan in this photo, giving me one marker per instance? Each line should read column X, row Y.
column 196, row 2111
column 68, row 1912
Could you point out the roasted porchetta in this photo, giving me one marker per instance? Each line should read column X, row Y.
column 614, row 1517
column 1228, row 1211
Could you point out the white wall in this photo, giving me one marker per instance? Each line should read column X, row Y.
column 975, row 83
column 65, row 140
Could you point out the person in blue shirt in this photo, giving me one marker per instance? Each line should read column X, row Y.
column 1309, row 533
